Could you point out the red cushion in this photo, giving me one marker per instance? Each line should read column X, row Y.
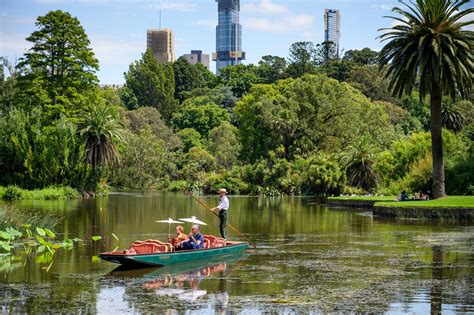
column 148, row 248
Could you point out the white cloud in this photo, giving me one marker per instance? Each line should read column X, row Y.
column 169, row 5
column 302, row 23
column 116, row 51
column 469, row 17
column 174, row 6
column 13, row 45
column 264, row 7
column 207, row 23
column 382, row 6
column 10, row 19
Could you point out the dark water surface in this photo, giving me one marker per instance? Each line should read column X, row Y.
column 309, row 260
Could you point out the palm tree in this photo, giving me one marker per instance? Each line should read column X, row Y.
column 359, row 159
column 452, row 117
column 102, row 130
column 431, row 42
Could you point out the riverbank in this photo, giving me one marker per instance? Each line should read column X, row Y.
column 49, row 193
column 450, row 208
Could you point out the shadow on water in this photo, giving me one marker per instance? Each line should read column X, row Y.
column 308, row 259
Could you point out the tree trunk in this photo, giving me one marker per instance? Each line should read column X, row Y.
column 437, row 142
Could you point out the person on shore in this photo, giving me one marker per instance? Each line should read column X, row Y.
column 404, row 196
column 179, row 237
column 195, row 241
column 223, row 207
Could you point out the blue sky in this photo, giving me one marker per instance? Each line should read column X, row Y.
column 117, row 28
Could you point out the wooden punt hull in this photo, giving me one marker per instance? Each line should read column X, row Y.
column 170, row 258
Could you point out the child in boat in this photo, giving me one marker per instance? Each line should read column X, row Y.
column 179, row 237
column 195, row 241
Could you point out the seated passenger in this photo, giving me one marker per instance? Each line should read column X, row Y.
column 179, row 237
column 195, row 241
column 404, row 196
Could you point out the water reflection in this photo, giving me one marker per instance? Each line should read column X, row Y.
column 436, row 292
column 201, row 283
column 309, row 259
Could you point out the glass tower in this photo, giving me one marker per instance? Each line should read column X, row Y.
column 228, row 35
column 332, row 27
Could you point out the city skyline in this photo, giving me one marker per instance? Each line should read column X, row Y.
column 161, row 43
column 228, row 35
column 117, row 29
column 332, row 28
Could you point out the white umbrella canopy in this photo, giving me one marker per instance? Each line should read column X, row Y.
column 193, row 220
column 169, row 221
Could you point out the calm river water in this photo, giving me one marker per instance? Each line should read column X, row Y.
column 309, row 260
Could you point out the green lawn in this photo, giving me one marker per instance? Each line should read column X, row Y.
column 449, row 202
column 373, row 198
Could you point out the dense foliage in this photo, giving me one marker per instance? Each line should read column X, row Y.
column 313, row 123
column 431, row 50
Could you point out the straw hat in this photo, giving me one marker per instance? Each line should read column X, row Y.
column 222, row 190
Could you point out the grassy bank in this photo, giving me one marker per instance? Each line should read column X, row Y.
column 365, row 198
column 48, row 193
column 449, row 202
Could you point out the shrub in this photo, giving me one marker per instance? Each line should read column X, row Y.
column 178, row 185
column 229, row 180
column 13, row 193
column 460, row 176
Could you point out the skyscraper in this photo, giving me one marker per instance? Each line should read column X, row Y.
column 161, row 43
column 196, row 56
column 228, row 35
column 332, row 27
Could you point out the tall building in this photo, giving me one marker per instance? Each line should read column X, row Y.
column 161, row 43
column 228, row 35
column 196, row 56
column 332, row 27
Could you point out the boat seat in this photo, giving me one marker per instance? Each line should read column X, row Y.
column 157, row 242
column 148, row 248
column 207, row 244
column 215, row 241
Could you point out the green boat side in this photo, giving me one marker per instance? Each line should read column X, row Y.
column 170, row 258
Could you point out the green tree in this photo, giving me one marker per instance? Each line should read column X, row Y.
column 197, row 162
column 59, row 69
column 190, row 138
column 240, row 78
column 151, row 84
column 187, row 77
column 452, row 117
column 36, row 156
column 200, row 113
column 102, row 131
column 145, row 162
column 359, row 161
column 305, row 114
column 431, row 41
column 271, row 69
column 336, row 69
column 111, row 96
column 402, row 120
column 224, row 145
column 9, row 91
column 326, row 52
column 365, row 56
column 149, row 117
column 370, row 81
column 302, row 59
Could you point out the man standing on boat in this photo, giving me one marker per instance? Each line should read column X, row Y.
column 223, row 207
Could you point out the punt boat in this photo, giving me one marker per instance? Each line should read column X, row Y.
column 141, row 260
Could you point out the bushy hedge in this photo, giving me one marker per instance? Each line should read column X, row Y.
column 13, row 192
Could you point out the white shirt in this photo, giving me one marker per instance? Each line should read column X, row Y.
column 223, row 203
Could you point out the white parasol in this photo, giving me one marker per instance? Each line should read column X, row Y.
column 193, row 220
column 169, row 221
